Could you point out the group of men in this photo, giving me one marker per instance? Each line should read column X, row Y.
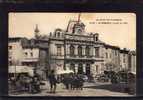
column 71, row 81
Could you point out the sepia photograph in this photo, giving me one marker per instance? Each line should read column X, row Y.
column 71, row 54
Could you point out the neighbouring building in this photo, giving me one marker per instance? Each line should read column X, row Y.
column 72, row 49
column 124, row 59
column 132, row 61
column 112, row 57
column 29, row 52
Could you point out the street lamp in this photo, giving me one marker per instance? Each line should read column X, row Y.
column 15, row 62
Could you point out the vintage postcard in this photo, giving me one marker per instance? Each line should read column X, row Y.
column 72, row 54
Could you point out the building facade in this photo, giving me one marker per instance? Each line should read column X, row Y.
column 14, row 51
column 112, row 57
column 32, row 53
column 73, row 49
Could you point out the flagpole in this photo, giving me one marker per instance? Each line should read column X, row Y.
column 79, row 17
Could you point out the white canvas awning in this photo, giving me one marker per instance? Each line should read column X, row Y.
column 20, row 69
column 64, row 71
column 133, row 73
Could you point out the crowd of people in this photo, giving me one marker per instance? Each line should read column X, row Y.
column 24, row 82
column 70, row 81
column 33, row 84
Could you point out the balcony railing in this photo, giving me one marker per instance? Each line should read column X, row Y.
column 68, row 56
column 76, row 37
column 30, row 59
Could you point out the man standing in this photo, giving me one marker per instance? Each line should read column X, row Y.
column 52, row 81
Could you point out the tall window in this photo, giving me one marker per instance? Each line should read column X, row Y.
column 10, row 47
column 72, row 67
column 31, row 54
column 58, row 34
column 124, row 60
column 97, row 68
column 97, row 51
column 88, row 69
column 106, row 55
column 110, row 55
column 96, row 38
column 80, row 51
column 115, row 53
column 87, row 51
column 10, row 62
column 26, row 54
column 59, row 50
column 72, row 50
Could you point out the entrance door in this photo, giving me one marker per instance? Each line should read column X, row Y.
column 80, row 69
column 88, row 69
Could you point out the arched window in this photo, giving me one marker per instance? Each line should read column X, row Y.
column 96, row 38
column 80, row 51
column 72, row 50
column 58, row 34
column 87, row 51
column 97, row 69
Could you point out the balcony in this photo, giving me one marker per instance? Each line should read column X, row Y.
column 90, row 57
column 57, row 57
column 84, row 57
column 79, row 37
column 30, row 60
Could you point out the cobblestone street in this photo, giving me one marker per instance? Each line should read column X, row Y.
column 90, row 89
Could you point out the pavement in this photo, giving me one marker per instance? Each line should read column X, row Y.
column 90, row 89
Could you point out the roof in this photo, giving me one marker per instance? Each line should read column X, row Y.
column 30, row 46
column 112, row 47
column 133, row 52
column 14, row 38
column 124, row 51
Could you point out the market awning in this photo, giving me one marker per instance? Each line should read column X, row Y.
column 20, row 69
column 133, row 73
column 64, row 71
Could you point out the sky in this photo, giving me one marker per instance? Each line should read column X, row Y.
column 118, row 29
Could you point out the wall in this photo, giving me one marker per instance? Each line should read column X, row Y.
column 34, row 51
column 16, row 53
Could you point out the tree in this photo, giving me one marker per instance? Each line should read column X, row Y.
column 111, row 69
column 110, row 66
